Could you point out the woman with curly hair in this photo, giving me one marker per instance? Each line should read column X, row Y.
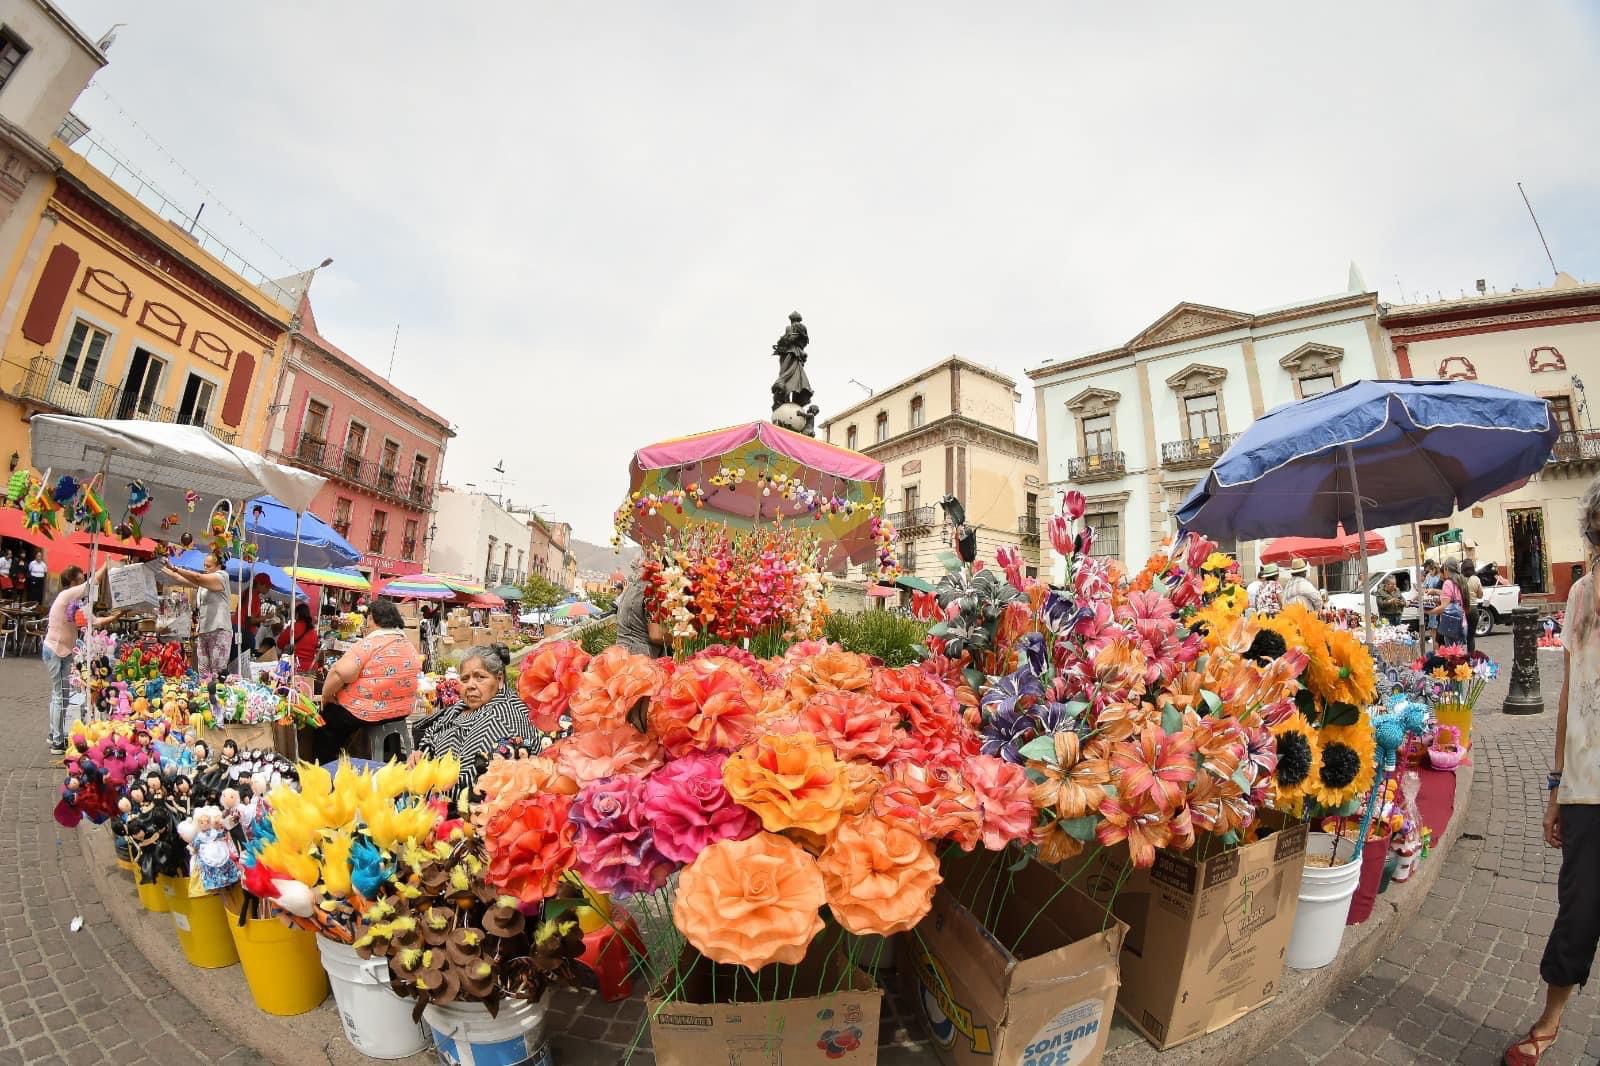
column 1572, row 817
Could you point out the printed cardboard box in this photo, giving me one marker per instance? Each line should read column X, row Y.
column 696, row 1028
column 1207, row 929
column 1049, row 1002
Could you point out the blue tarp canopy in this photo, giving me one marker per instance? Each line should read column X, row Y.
column 271, row 527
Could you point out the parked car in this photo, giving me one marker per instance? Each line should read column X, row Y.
column 1496, row 606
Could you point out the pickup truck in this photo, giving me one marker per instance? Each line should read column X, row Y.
column 1495, row 607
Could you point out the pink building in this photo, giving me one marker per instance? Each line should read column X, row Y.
column 380, row 449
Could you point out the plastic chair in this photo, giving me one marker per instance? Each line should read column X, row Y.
column 10, row 634
column 388, row 740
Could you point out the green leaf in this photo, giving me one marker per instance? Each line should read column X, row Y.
column 1230, row 838
column 1080, row 828
column 939, row 630
column 974, row 677
column 1171, row 720
column 1021, row 862
column 1077, row 707
column 1351, row 807
column 1213, row 701
column 951, row 561
column 1342, row 714
column 1040, row 748
column 1242, row 780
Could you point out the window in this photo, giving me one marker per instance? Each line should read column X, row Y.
column 1107, row 526
column 355, row 445
column 82, row 358
column 1203, row 417
column 196, row 404
column 1097, row 435
column 916, row 412
column 1316, row 385
column 380, row 532
column 883, row 426
column 387, row 464
column 408, row 542
column 419, row 477
column 1561, row 410
column 341, row 517
column 12, row 51
column 913, row 497
column 140, row 386
column 850, row 440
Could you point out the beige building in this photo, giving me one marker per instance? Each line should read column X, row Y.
column 948, row 430
column 1539, row 341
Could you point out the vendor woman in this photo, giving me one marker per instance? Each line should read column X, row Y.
column 488, row 714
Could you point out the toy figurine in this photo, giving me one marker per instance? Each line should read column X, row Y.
column 214, row 852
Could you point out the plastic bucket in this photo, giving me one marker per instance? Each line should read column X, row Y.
column 1325, row 893
column 151, row 896
column 376, row 1021
column 124, row 852
column 280, row 962
column 465, row 1035
column 202, row 926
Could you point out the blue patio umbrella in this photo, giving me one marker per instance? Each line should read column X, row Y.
column 271, row 526
column 239, row 572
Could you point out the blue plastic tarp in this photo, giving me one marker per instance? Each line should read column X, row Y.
column 239, row 572
column 270, row 525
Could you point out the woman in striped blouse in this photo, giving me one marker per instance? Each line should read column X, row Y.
column 488, row 715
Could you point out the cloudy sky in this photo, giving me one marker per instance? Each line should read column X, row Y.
column 590, row 220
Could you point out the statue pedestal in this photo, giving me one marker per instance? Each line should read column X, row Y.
column 1524, row 696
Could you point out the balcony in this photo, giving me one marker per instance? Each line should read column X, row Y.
column 408, row 549
column 1098, row 466
column 42, row 386
column 914, row 520
column 1028, row 528
column 1578, row 447
column 313, row 453
column 491, row 576
column 376, row 541
column 1201, row 451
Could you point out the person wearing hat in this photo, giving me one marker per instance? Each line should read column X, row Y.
column 1266, row 580
column 1299, row 589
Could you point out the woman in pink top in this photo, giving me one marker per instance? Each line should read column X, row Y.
column 59, row 641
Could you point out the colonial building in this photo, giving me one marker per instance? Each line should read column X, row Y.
column 111, row 311
column 380, row 449
column 949, row 430
column 1135, row 427
column 478, row 538
column 1540, row 341
column 561, row 563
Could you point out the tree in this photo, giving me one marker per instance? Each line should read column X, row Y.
column 538, row 592
column 604, row 599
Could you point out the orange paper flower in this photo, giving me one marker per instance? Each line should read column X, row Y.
column 547, row 681
column 708, row 705
column 840, row 671
column 530, row 844
column 614, row 683
column 751, row 902
column 858, row 726
column 925, row 702
column 598, row 753
column 864, row 780
column 508, row 780
column 879, row 876
column 934, row 799
column 791, row 782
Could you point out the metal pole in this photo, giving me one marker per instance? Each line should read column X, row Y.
column 294, row 592
column 91, row 596
column 1361, row 539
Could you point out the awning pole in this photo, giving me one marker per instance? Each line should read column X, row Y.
column 91, row 596
column 1361, row 537
column 294, row 592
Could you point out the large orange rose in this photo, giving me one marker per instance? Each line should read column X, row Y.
column 530, row 844
column 548, row 679
column 614, row 683
column 751, row 902
column 792, row 782
column 508, row 780
column 879, row 875
column 934, row 799
column 708, row 705
column 858, row 726
column 597, row 753
column 926, row 703
column 835, row 670
column 864, row 779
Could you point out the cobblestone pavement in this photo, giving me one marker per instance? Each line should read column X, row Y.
column 1463, row 982
column 71, row 997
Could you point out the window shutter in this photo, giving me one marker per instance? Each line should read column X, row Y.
column 244, row 367
column 50, row 295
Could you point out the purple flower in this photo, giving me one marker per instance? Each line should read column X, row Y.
column 616, row 847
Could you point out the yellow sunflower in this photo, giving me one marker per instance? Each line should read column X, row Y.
column 1357, row 678
column 1347, row 770
column 1299, row 761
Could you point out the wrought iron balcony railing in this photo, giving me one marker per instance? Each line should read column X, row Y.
column 1096, row 466
column 1198, row 451
column 912, row 520
column 1577, row 447
column 50, row 385
column 1028, row 527
column 314, row 453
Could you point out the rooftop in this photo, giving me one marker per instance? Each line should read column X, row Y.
column 926, row 372
column 1564, row 288
column 308, row 329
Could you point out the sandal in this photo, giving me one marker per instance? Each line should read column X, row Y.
column 1516, row 1056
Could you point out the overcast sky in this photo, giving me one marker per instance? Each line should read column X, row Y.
column 590, row 220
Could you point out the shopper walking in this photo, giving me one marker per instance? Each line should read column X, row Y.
column 214, row 635
column 1268, row 599
column 1572, row 816
column 1427, row 600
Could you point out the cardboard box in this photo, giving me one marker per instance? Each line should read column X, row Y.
column 414, row 635
column 480, row 635
column 816, row 1030
column 1048, row 1004
column 1207, row 929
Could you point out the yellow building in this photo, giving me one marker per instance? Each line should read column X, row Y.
column 111, row 311
column 949, row 430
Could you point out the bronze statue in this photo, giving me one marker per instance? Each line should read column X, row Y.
column 791, row 392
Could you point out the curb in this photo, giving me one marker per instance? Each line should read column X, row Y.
column 1304, row 993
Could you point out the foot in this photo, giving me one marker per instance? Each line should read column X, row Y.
column 1530, row 1049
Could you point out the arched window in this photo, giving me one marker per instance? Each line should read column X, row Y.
column 916, row 412
column 850, row 438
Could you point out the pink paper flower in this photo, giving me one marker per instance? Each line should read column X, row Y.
column 1073, row 504
column 616, row 848
column 690, row 809
column 1004, row 806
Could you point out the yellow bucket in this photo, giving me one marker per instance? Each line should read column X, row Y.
column 1457, row 715
column 151, row 896
column 202, row 927
column 280, row 962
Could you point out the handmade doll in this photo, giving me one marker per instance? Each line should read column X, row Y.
column 214, row 853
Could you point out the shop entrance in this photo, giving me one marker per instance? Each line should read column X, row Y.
column 1529, row 559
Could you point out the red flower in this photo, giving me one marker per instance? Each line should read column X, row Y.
column 548, row 680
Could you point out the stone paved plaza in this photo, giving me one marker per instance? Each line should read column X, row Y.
column 1458, row 986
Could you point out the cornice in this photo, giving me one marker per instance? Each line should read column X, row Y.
column 954, row 429
column 1450, row 325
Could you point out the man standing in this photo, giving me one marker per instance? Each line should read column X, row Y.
column 37, row 572
column 1474, row 597
column 1299, row 589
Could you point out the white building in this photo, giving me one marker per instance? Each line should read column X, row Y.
column 478, row 538
column 1136, row 427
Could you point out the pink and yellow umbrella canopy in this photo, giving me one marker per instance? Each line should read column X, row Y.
column 751, row 475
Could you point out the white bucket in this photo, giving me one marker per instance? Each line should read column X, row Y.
column 376, row 1021
column 465, row 1035
column 1325, row 894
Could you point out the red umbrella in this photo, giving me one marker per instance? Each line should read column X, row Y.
column 1323, row 550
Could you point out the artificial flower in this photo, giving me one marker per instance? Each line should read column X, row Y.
column 505, row 781
column 858, row 725
column 840, row 671
column 1357, row 682
column 547, row 680
column 1347, row 766
column 530, row 845
column 1134, row 822
column 879, row 876
column 751, row 902
column 790, row 782
column 708, row 705
column 921, row 699
column 936, row 800
column 1154, row 764
column 1005, row 811
column 596, row 753
column 617, row 851
column 614, row 683
column 1075, row 784
column 864, row 779
column 689, row 808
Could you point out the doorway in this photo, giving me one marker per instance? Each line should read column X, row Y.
column 139, row 387
column 1529, row 559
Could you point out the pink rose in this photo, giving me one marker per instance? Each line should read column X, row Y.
column 616, row 849
column 689, row 808
column 1004, row 804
